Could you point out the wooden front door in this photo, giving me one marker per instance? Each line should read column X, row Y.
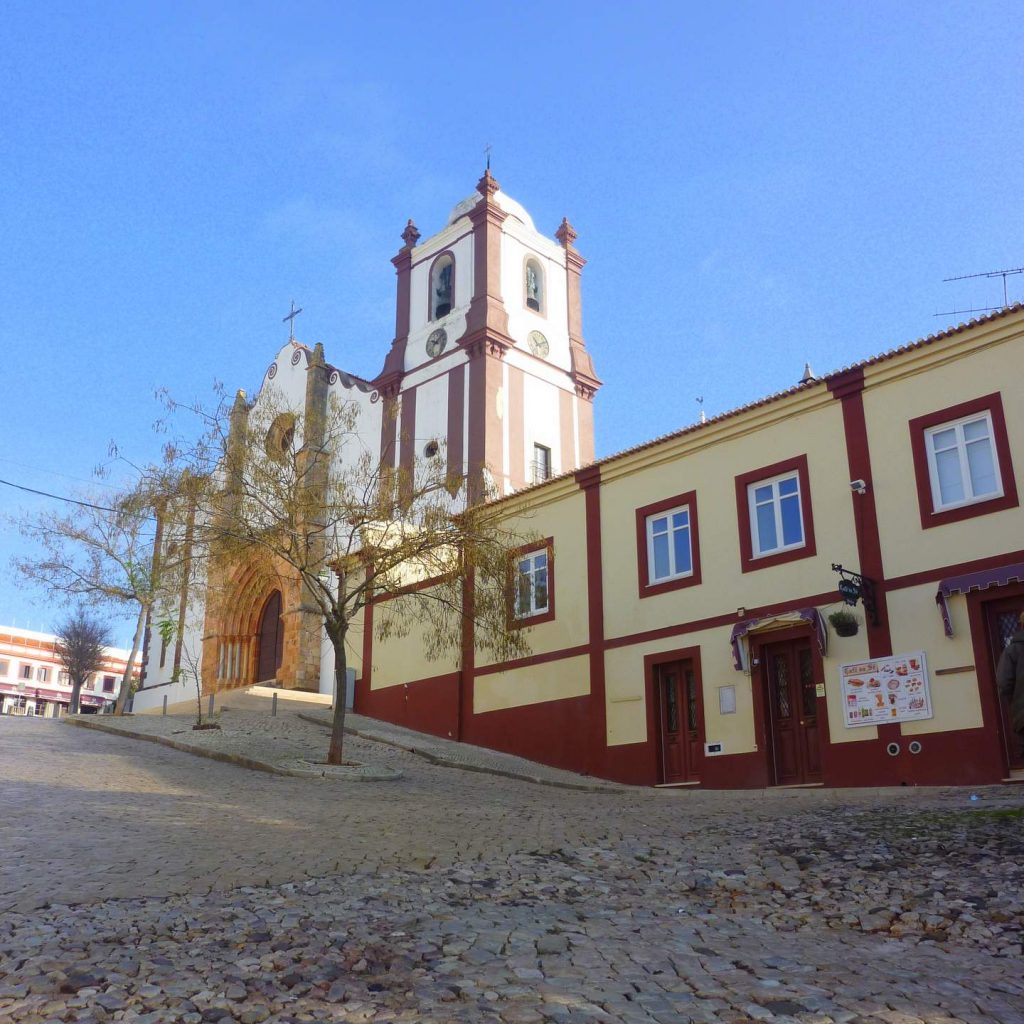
column 792, row 710
column 1002, row 620
column 679, row 713
column 271, row 640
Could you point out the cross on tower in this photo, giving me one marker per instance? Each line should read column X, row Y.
column 487, row 153
column 290, row 320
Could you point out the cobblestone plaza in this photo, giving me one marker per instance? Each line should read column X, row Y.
column 139, row 883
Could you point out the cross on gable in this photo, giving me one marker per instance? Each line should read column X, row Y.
column 290, row 320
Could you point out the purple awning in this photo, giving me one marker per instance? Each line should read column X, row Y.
column 980, row 580
column 811, row 615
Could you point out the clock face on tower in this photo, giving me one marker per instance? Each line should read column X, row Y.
column 436, row 342
column 539, row 344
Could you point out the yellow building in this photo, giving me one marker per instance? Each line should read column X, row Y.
column 679, row 601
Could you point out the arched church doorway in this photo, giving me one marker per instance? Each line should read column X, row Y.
column 271, row 639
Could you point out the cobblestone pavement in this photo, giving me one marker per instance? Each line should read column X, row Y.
column 140, row 884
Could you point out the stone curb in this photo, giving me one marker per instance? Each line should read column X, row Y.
column 448, row 762
column 360, row 773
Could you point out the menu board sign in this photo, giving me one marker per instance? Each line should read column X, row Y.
column 885, row 690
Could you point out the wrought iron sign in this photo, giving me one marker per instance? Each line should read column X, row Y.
column 854, row 587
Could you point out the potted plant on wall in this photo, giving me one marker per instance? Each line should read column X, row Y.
column 844, row 622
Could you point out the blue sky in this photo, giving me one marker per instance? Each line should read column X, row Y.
column 754, row 186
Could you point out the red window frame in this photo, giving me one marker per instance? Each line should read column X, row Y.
column 647, row 588
column 521, row 621
column 993, row 405
column 750, row 563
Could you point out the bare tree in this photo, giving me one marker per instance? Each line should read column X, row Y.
column 191, row 667
column 300, row 500
column 101, row 551
column 82, row 640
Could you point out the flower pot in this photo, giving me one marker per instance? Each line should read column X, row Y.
column 846, row 628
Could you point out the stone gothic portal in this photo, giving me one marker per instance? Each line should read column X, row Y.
column 271, row 640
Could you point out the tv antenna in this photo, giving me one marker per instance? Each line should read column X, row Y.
column 700, row 403
column 1004, row 274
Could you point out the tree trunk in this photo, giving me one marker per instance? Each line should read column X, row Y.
column 126, row 679
column 334, row 753
column 76, row 696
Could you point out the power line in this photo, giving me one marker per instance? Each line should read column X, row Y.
column 74, row 501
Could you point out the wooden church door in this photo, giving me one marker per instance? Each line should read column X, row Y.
column 271, row 639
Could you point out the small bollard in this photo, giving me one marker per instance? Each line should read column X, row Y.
column 165, row 704
column 273, row 707
column 209, row 709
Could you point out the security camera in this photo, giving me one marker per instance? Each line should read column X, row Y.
column 858, row 486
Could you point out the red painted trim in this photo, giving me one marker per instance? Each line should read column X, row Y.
column 407, row 448
column 992, row 404
column 651, row 662
column 362, row 688
column 533, row 659
column 467, row 674
column 711, row 622
column 566, row 435
column 476, row 452
column 846, row 383
column 748, row 563
column 552, row 732
column 388, row 431
column 848, row 387
column 648, row 589
column 456, row 413
column 849, row 390
column 521, row 622
column 516, row 412
column 589, row 480
column 426, row 705
column 430, row 287
column 956, row 569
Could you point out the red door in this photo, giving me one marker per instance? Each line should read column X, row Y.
column 271, row 649
column 679, row 713
column 1003, row 620
column 792, row 709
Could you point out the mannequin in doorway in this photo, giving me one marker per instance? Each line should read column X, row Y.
column 1010, row 679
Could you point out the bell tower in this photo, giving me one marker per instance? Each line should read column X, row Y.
column 488, row 358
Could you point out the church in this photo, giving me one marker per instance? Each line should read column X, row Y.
column 809, row 590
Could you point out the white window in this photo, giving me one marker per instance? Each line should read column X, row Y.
column 669, row 547
column 42, row 675
column 5, row 667
column 962, row 462
column 541, row 463
column 26, row 671
column 531, row 583
column 776, row 516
